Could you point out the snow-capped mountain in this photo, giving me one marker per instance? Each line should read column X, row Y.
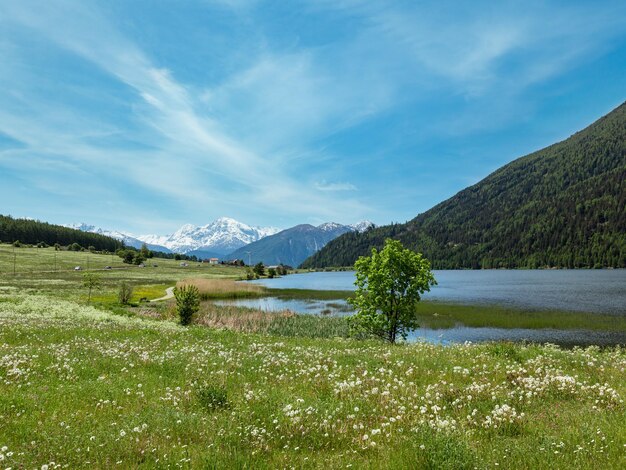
column 217, row 238
column 126, row 238
column 363, row 226
column 226, row 235
column 220, row 236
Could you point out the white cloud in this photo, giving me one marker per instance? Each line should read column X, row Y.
column 190, row 143
column 324, row 186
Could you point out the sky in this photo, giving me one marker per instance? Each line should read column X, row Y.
column 146, row 115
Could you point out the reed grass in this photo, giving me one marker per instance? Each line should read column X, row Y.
column 211, row 289
column 282, row 323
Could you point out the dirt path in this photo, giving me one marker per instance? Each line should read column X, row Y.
column 169, row 293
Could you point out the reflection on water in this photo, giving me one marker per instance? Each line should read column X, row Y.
column 458, row 334
column 275, row 304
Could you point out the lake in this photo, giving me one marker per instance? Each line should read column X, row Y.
column 593, row 291
column 596, row 291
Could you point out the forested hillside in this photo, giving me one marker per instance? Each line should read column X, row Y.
column 34, row 231
column 563, row 206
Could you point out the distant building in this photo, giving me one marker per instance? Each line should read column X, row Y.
column 214, row 260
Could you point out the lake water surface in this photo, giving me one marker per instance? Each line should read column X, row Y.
column 597, row 291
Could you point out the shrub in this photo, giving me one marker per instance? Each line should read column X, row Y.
column 259, row 269
column 187, row 302
column 271, row 273
column 213, row 397
column 17, row 244
column 91, row 281
column 125, row 293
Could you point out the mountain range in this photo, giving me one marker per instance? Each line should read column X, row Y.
column 220, row 237
column 562, row 206
column 292, row 246
column 225, row 238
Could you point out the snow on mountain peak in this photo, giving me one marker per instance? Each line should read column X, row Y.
column 328, row 226
column 363, row 226
column 222, row 236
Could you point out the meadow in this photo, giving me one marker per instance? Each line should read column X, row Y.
column 103, row 385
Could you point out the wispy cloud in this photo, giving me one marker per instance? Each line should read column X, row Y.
column 194, row 150
column 324, row 186
column 346, row 90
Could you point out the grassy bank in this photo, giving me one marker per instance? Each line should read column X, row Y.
column 147, row 393
column 446, row 315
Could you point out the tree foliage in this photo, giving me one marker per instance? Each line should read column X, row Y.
column 563, row 206
column 90, row 281
column 259, row 269
column 389, row 283
column 125, row 293
column 187, row 302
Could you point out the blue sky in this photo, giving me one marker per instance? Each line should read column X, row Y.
column 145, row 115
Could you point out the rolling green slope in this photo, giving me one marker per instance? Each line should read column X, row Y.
column 563, row 206
column 33, row 231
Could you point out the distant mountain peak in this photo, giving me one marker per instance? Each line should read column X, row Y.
column 363, row 226
column 221, row 236
column 294, row 245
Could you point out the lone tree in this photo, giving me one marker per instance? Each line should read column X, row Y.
column 90, row 281
column 389, row 284
column 187, row 302
column 125, row 293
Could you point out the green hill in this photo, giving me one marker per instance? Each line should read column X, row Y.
column 563, row 206
column 33, row 232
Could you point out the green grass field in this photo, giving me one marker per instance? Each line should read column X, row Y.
column 103, row 386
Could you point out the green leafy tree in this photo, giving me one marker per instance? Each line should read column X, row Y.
column 90, row 281
column 259, row 269
column 187, row 302
column 271, row 273
column 144, row 251
column 389, row 284
column 125, row 293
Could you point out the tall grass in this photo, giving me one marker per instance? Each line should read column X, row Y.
column 283, row 323
column 224, row 288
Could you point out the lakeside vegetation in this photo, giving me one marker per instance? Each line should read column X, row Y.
column 35, row 273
